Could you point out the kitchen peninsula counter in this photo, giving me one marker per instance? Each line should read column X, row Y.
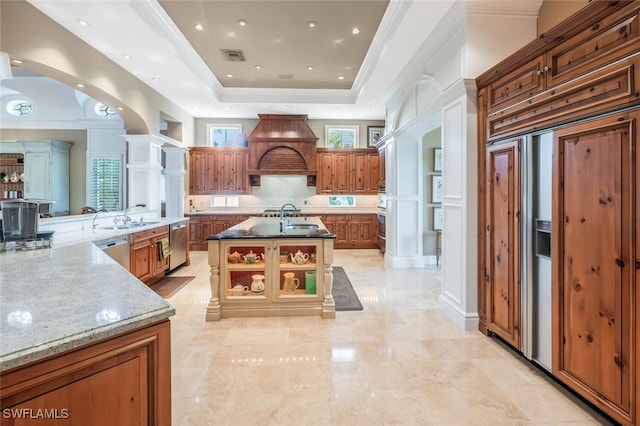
column 259, row 270
column 81, row 337
column 55, row 300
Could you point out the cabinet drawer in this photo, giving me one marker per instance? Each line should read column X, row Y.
column 610, row 88
column 149, row 233
column 606, row 41
column 522, row 83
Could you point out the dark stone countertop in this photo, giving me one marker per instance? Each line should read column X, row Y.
column 269, row 227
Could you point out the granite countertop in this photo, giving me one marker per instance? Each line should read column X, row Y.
column 269, row 227
column 55, row 300
column 304, row 211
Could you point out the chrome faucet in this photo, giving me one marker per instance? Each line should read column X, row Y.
column 126, row 219
column 93, row 223
column 282, row 215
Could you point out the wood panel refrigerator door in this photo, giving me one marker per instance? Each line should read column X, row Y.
column 592, row 257
column 502, row 273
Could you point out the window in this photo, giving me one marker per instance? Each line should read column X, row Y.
column 341, row 136
column 226, row 135
column 106, row 183
column 104, row 110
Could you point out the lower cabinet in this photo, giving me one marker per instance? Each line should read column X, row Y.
column 146, row 262
column 201, row 226
column 125, row 380
column 353, row 230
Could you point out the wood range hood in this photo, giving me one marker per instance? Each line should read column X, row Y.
column 282, row 145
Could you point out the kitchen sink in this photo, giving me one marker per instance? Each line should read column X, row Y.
column 302, row 226
column 137, row 224
column 114, row 227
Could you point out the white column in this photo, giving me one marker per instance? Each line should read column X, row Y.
column 174, row 171
column 144, row 169
column 459, row 297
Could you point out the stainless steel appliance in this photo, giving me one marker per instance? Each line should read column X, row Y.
column 286, row 213
column 382, row 222
column 178, row 245
column 536, row 238
column 19, row 219
column 118, row 249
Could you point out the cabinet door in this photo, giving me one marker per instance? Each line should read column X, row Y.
column 519, row 84
column 593, row 258
column 202, row 166
column 141, row 266
column 158, row 265
column 341, row 172
column 232, row 172
column 502, row 273
column 365, row 173
column 200, row 230
column 324, row 183
column 37, row 171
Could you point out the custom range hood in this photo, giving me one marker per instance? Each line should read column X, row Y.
column 282, row 145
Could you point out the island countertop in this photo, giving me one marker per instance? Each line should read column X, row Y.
column 269, row 227
column 55, row 300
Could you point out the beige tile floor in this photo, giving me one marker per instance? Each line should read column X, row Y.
column 400, row 361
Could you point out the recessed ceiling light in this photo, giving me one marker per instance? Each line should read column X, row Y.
column 82, row 22
column 312, row 24
column 120, row 109
column 198, row 27
column 341, row 77
column 309, row 67
column 258, row 67
column 229, row 75
column 227, row 108
column 124, row 55
column 80, row 85
column 355, row 31
column 196, row 107
column 155, row 79
column 242, row 22
column 17, row 61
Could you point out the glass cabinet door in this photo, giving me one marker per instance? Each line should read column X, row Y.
column 246, row 271
column 299, row 271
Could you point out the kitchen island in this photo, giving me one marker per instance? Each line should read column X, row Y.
column 262, row 267
column 82, row 338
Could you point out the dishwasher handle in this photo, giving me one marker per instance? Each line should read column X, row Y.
column 113, row 243
column 178, row 226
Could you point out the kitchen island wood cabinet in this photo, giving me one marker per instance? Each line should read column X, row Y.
column 218, row 171
column 123, row 380
column 290, row 276
column 146, row 264
column 577, row 82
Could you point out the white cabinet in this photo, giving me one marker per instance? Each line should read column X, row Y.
column 46, row 171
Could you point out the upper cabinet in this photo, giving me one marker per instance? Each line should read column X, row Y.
column 46, row 171
column 566, row 73
column 348, row 171
column 218, row 171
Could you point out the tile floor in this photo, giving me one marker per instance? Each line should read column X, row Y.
column 400, row 361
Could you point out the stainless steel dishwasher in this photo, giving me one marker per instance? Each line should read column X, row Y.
column 178, row 244
column 117, row 248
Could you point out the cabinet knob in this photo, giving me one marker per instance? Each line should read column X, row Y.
column 539, row 72
column 547, row 68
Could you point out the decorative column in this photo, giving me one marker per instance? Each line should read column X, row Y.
column 174, row 171
column 144, row 170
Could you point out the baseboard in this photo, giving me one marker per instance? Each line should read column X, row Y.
column 466, row 321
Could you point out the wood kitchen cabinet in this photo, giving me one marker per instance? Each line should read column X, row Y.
column 218, row 171
column 146, row 264
column 578, row 81
column 597, row 262
column 502, row 241
column 122, row 380
column 382, row 171
column 353, row 230
column 348, row 171
column 201, row 226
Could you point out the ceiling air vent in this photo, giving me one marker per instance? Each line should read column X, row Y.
column 233, row 55
column 285, row 76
